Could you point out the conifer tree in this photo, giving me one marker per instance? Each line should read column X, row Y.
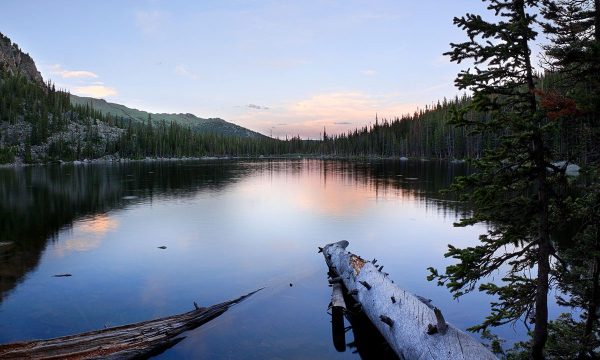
column 574, row 56
column 515, row 186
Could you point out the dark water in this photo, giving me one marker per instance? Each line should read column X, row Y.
column 230, row 227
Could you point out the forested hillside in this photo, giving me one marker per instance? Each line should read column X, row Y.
column 430, row 132
column 201, row 125
column 39, row 123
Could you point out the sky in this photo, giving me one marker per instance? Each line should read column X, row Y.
column 276, row 67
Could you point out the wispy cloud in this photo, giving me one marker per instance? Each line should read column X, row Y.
column 342, row 123
column 57, row 69
column 257, row 107
column 98, row 91
column 150, row 22
column 369, row 72
column 181, row 70
column 80, row 82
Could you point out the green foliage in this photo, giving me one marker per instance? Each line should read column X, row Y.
column 427, row 133
column 7, row 155
column 564, row 342
column 516, row 187
column 495, row 343
column 60, row 150
column 540, row 220
column 201, row 125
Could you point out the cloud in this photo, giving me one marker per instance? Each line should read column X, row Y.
column 339, row 112
column 97, row 91
column 69, row 74
column 150, row 22
column 181, row 70
column 257, row 107
column 369, row 72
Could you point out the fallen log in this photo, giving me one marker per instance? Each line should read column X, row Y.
column 139, row 340
column 413, row 328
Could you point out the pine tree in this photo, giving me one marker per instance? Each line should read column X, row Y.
column 515, row 184
column 574, row 56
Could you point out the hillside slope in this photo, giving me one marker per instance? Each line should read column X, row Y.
column 40, row 124
column 201, row 125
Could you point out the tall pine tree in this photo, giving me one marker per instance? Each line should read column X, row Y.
column 516, row 186
column 573, row 54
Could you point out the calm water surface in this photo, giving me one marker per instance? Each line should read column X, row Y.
column 230, row 227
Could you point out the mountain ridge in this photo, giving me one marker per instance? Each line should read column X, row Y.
column 40, row 123
column 15, row 62
column 210, row 125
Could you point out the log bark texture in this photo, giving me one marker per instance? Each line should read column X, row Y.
column 410, row 324
column 133, row 341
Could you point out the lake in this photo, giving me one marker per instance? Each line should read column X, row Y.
column 229, row 227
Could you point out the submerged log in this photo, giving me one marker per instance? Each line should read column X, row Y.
column 337, row 297
column 139, row 340
column 338, row 307
column 413, row 328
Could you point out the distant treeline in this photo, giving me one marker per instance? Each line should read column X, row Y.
column 43, row 115
column 429, row 133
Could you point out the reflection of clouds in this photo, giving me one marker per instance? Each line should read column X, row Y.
column 99, row 225
column 322, row 188
column 334, row 199
column 86, row 235
column 77, row 245
column 331, row 191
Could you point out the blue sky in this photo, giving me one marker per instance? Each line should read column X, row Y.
column 286, row 67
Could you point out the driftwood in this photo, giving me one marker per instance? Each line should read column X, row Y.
column 413, row 328
column 139, row 340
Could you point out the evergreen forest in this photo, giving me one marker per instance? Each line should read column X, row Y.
column 520, row 123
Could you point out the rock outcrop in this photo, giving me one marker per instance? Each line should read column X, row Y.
column 14, row 61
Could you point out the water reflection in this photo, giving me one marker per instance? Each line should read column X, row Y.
column 229, row 227
column 37, row 202
column 367, row 341
column 341, row 188
column 87, row 234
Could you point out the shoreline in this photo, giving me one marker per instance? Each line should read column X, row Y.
column 116, row 160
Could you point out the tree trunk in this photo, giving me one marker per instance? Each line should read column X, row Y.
column 540, row 332
column 413, row 328
column 592, row 308
column 140, row 340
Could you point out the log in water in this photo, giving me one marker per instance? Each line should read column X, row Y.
column 410, row 324
column 139, row 340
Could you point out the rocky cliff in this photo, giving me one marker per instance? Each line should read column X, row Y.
column 14, row 61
